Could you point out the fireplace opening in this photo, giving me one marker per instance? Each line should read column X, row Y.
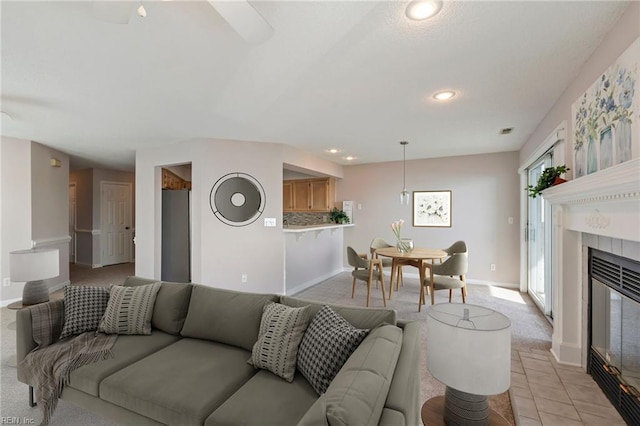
column 614, row 330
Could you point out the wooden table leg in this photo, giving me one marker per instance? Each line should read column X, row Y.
column 432, row 287
column 394, row 265
column 421, row 271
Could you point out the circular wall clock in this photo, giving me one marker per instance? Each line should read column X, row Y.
column 237, row 199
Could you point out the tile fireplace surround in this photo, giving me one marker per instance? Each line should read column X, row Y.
column 601, row 210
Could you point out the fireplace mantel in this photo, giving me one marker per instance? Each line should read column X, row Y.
column 606, row 204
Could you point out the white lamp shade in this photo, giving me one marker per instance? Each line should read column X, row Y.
column 34, row 265
column 472, row 356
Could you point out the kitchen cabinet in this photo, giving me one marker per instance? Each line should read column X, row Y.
column 287, row 196
column 172, row 181
column 308, row 195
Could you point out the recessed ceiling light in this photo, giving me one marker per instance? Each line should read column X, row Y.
column 333, row 151
column 445, row 95
column 349, row 158
column 423, row 9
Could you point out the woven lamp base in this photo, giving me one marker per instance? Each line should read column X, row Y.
column 35, row 292
column 465, row 409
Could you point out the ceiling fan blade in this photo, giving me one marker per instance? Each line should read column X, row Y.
column 113, row 11
column 244, row 19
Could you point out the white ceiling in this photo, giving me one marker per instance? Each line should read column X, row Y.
column 354, row 75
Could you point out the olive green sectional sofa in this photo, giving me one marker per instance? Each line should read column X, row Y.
column 192, row 369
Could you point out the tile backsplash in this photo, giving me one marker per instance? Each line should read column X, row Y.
column 302, row 219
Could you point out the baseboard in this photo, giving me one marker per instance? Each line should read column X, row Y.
column 565, row 353
column 304, row 286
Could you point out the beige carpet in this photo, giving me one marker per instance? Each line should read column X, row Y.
column 529, row 330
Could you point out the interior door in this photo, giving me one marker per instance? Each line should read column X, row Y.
column 115, row 229
column 539, row 242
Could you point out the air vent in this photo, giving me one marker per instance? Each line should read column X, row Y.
column 506, row 130
column 619, row 273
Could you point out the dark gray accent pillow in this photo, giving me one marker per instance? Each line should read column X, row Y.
column 281, row 330
column 328, row 343
column 129, row 309
column 83, row 308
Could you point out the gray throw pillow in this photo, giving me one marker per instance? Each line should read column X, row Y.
column 130, row 309
column 281, row 330
column 328, row 343
column 83, row 308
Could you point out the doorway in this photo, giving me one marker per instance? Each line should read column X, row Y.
column 539, row 241
column 115, row 223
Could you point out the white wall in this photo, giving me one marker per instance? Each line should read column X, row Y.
column 220, row 253
column 485, row 193
column 312, row 257
column 50, row 206
column 16, row 208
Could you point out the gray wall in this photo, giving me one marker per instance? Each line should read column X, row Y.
column 617, row 41
column 485, row 193
column 34, row 207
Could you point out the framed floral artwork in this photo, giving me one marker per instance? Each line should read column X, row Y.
column 606, row 128
column 432, row 208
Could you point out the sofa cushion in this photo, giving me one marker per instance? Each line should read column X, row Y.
column 83, row 308
column 357, row 395
column 181, row 384
column 359, row 317
column 172, row 303
column 281, row 331
column 126, row 351
column 225, row 316
column 265, row 400
column 129, row 309
column 326, row 345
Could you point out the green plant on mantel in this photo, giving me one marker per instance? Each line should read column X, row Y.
column 338, row 216
column 547, row 179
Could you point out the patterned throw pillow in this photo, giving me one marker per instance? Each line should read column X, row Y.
column 130, row 309
column 281, row 330
column 83, row 308
column 326, row 346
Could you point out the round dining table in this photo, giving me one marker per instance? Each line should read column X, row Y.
column 418, row 257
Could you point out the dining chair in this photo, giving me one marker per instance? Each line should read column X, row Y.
column 457, row 247
column 449, row 275
column 379, row 242
column 363, row 270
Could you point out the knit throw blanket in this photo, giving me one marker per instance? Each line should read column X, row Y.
column 47, row 368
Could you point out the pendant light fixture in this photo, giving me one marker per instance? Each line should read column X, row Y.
column 404, row 195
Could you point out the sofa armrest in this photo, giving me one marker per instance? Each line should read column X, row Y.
column 404, row 393
column 49, row 319
column 24, row 338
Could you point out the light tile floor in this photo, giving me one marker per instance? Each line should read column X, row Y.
column 544, row 392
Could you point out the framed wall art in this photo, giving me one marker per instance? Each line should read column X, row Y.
column 432, row 208
column 606, row 128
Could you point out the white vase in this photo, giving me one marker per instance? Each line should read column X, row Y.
column 623, row 140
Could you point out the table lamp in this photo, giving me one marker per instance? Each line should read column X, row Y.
column 469, row 350
column 33, row 266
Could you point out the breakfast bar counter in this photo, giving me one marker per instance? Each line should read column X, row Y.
column 320, row 227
